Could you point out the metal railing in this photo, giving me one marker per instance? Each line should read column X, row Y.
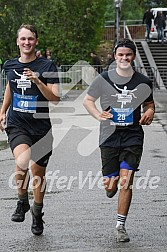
column 3, row 82
column 151, row 73
column 73, row 77
column 136, row 29
column 70, row 77
column 77, row 77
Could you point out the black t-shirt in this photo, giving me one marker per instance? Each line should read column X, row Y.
column 148, row 16
column 26, row 99
column 124, row 96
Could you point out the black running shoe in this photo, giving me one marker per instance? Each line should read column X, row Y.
column 19, row 213
column 37, row 223
column 111, row 193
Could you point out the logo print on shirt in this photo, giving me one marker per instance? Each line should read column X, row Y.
column 126, row 96
column 23, row 82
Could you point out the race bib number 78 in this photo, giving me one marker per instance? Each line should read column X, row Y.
column 24, row 103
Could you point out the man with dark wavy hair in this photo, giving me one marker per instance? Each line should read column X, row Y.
column 122, row 92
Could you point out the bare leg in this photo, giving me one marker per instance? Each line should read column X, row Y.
column 124, row 201
column 125, row 195
column 110, row 184
column 22, row 156
column 39, row 183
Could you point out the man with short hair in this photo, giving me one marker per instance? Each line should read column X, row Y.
column 160, row 25
column 96, row 62
column 122, row 92
column 29, row 89
column 147, row 18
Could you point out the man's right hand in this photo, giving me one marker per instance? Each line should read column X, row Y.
column 106, row 115
column 2, row 121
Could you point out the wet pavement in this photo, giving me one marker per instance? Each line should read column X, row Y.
column 78, row 215
column 161, row 107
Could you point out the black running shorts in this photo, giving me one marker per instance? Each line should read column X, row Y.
column 41, row 145
column 114, row 159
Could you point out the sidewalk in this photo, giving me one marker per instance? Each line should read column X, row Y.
column 82, row 219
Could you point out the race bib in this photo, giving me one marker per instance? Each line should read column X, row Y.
column 122, row 116
column 24, row 103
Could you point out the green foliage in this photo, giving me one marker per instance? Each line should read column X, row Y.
column 132, row 9
column 110, row 11
column 145, row 4
column 69, row 28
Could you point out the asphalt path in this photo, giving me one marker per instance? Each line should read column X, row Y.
column 78, row 215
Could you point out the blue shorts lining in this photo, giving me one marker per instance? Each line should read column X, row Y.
column 114, row 174
column 125, row 165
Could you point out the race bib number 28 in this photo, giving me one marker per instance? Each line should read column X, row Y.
column 122, row 116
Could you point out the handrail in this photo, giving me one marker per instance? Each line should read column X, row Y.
column 152, row 63
column 138, row 60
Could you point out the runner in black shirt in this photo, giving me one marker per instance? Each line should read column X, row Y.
column 30, row 86
column 122, row 91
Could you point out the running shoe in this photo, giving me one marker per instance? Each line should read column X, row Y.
column 111, row 194
column 122, row 235
column 37, row 223
column 21, row 209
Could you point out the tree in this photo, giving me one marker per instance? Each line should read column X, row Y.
column 151, row 3
column 70, row 28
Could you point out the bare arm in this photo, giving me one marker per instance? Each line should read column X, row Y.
column 5, row 105
column 89, row 104
column 148, row 115
column 49, row 91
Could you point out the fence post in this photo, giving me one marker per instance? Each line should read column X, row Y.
column 1, row 86
column 124, row 25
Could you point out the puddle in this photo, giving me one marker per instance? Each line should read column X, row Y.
column 3, row 145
